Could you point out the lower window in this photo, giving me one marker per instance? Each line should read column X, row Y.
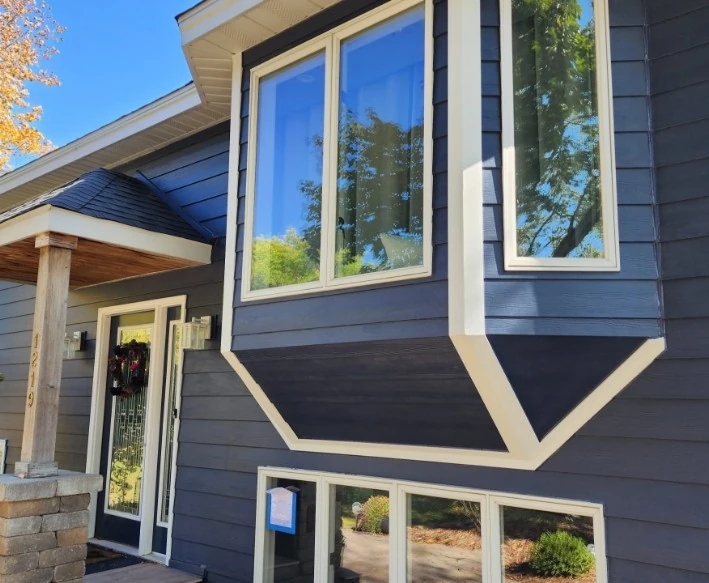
column 369, row 530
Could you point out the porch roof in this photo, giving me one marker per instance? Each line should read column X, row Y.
column 123, row 230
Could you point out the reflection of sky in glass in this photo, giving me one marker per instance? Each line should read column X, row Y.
column 579, row 138
column 290, row 116
column 382, row 73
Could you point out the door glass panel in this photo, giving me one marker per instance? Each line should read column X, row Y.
column 127, row 437
column 547, row 547
column 290, row 558
column 175, row 356
column 359, row 535
column 443, row 540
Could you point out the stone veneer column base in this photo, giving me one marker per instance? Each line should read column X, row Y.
column 44, row 527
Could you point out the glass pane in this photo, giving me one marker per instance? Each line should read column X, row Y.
column 556, row 129
column 443, row 540
column 171, row 401
column 291, row 557
column 541, row 547
column 286, row 223
column 381, row 147
column 126, row 473
column 359, row 535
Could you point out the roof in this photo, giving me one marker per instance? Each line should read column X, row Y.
column 152, row 127
column 109, row 195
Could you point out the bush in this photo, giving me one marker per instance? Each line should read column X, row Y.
column 560, row 554
column 373, row 513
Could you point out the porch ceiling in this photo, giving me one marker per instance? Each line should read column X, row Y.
column 92, row 263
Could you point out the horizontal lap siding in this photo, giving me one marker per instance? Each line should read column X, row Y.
column 408, row 309
column 193, row 176
column 642, row 456
column 572, row 304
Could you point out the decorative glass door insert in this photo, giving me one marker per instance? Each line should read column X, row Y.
column 127, row 439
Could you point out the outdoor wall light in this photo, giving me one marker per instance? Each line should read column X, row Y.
column 73, row 343
column 196, row 332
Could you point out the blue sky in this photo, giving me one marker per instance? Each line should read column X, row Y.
column 116, row 56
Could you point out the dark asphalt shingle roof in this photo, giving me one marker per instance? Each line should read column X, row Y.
column 104, row 194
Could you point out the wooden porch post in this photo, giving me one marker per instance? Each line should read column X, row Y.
column 42, row 405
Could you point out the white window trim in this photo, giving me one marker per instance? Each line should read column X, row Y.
column 330, row 44
column 609, row 204
column 491, row 525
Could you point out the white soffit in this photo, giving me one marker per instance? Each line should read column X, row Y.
column 158, row 124
column 214, row 30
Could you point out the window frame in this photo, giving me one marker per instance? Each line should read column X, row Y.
column 329, row 43
column 609, row 198
column 491, row 526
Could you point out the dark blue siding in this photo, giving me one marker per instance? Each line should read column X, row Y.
column 193, row 176
column 613, row 304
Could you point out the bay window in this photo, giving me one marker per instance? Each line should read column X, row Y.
column 339, row 168
column 558, row 160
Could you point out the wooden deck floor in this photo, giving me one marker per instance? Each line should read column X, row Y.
column 143, row 572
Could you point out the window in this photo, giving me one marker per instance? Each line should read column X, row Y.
column 372, row 530
column 339, row 169
column 558, row 160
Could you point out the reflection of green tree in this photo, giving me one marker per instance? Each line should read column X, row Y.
column 380, row 190
column 126, row 474
column 556, row 129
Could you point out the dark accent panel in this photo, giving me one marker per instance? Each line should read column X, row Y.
column 552, row 374
column 398, row 392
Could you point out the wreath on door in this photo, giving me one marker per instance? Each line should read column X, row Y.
column 128, row 368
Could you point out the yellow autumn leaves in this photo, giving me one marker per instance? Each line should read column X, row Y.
column 28, row 35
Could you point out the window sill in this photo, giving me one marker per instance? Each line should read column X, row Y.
column 340, row 284
column 562, row 265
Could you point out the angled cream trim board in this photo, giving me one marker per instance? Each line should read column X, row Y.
column 600, row 397
column 491, row 505
column 609, row 199
column 329, row 43
column 498, row 395
column 467, row 315
column 98, row 407
column 466, row 279
column 49, row 218
column 152, row 114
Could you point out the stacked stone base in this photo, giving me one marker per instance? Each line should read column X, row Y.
column 44, row 527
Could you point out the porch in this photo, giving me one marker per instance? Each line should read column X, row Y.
column 142, row 572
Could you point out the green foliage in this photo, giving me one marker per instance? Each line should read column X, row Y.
column 279, row 261
column 2, row 377
column 560, row 554
column 556, row 130
column 374, row 511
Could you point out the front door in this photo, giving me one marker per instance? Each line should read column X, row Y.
column 140, row 410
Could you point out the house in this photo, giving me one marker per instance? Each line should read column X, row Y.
column 446, row 262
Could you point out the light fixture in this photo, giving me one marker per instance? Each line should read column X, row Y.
column 73, row 343
column 196, row 332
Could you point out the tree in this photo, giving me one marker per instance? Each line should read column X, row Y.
column 28, row 35
column 556, row 130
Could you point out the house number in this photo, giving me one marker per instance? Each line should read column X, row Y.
column 33, row 371
column 33, row 368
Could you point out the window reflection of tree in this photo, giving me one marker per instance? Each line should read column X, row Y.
column 556, row 129
column 380, row 186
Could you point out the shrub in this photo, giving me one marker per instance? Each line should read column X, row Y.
column 373, row 513
column 560, row 554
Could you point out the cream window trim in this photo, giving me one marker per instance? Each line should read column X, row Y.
column 329, row 43
column 609, row 198
column 490, row 502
